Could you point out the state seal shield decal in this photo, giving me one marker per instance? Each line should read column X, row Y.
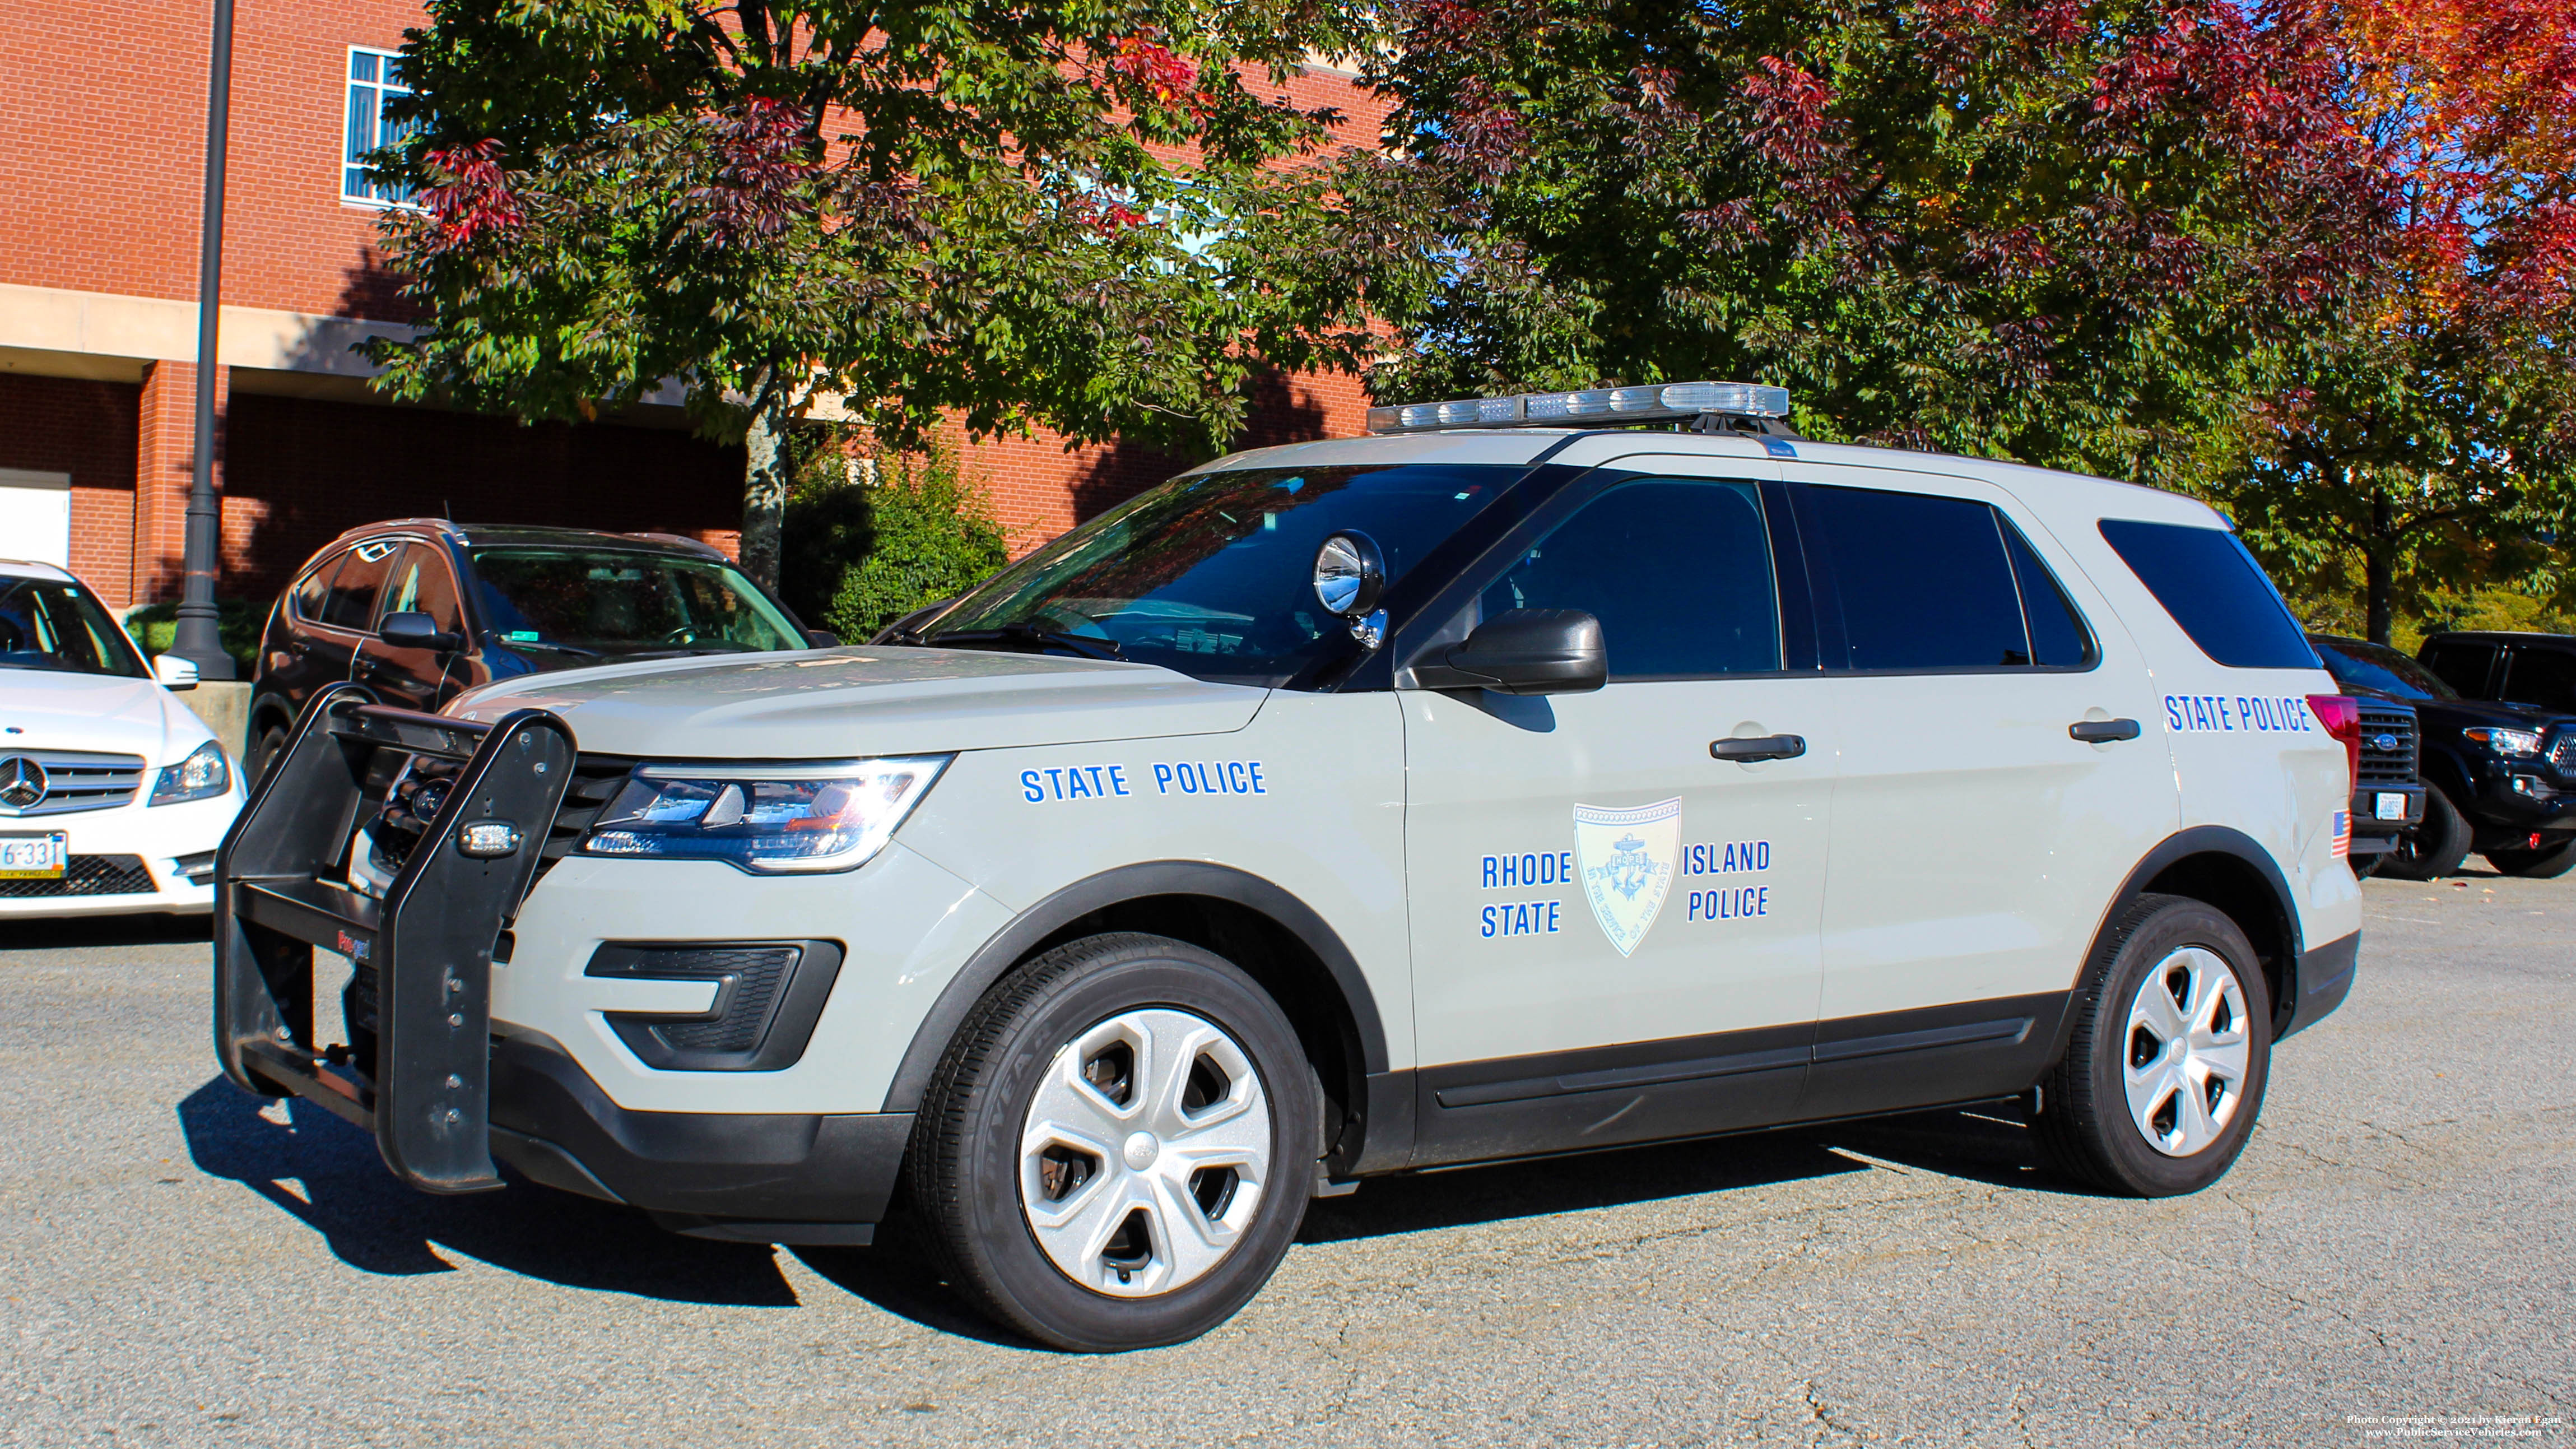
column 1627, row 858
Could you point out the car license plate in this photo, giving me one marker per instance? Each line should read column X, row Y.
column 2389, row 807
column 34, row 857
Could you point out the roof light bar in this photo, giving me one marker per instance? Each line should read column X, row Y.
column 1590, row 407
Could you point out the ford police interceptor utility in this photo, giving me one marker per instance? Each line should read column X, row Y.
column 1505, row 783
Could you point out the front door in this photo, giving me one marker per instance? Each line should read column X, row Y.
column 1614, row 932
column 420, row 679
column 1977, row 838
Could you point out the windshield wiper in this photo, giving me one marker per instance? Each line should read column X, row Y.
column 1086, row 645
column 572, row 649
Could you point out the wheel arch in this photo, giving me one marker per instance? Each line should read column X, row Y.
column 2232, row 873
column 1293, row 953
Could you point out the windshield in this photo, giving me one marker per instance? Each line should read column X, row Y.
column 2376, row 666
column 50, row 624
column 1213, row 574
column 608, row 601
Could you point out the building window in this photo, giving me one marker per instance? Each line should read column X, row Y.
column 375, row 77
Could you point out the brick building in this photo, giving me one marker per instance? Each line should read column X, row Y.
column 100, row 168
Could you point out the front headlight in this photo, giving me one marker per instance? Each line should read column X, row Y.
column 2512, row 744
column 202, row 776
column 764, row 818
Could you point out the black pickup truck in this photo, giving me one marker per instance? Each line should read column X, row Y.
column 2499, row 776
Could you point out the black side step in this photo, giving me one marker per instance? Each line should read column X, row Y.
column 425, row 1089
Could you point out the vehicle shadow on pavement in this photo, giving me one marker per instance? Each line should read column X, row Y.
column 85, row 932
column 326, row 1174
column 900, row 1274
column 1989, row 1144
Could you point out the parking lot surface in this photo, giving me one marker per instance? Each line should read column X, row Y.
column 2394, row 1259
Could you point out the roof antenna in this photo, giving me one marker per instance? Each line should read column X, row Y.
column 446, row 510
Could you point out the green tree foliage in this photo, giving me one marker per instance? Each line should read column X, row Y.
column 2426, row 442
column 2066, row 233
column 929, row 536
column 1015, row 214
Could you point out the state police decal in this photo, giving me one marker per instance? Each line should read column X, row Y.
column 1627, row 861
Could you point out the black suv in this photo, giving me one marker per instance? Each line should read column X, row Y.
column 2497, row 776
column 2387, row 790
column 418, row 610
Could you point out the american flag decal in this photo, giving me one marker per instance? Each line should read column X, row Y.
column 2343, row 835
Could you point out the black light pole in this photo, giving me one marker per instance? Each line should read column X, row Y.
column 198, row 640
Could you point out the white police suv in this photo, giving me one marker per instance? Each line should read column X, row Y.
column 1511, row 782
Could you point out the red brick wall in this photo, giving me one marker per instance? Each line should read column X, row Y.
column 86, row 429
column 300, row 472
column 102, row 153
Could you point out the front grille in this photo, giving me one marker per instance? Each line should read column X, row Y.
column 74, row 780
column 595, row 781
column 2395, row 766
column 2562, row 755
column 87, row 875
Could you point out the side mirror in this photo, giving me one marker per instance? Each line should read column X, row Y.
column 1523, row 651
column 174, row 672
column 822, row 639
column 414, row 630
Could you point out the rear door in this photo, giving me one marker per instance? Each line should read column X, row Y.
column 1614, row 932
column 1976, row 838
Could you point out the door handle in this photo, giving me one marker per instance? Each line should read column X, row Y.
column 2103, row 731
column 1759, row 747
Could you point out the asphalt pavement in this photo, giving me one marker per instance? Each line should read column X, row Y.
column 2392, row 1261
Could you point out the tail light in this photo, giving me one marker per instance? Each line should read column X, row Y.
column 2341, row 715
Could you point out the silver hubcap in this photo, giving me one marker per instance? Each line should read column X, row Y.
column 2187, row 1051
column 1145, row 1152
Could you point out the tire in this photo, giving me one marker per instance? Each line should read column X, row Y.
column 2549, row 862
column 2435, row 848
column 1050, row 1221
column 272, row 743
column 2125, row 1126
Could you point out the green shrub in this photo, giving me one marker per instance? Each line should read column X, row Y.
column 238, row 623
column 918, row 534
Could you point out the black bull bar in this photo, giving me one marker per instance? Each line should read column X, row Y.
column 421, row 1080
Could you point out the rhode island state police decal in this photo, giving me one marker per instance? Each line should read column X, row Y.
column 1627, row 858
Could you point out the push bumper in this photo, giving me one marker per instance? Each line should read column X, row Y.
column 762, row 1178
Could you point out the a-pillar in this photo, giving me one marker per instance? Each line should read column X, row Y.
column 165, row 455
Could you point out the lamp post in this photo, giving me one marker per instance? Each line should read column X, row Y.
column 198, row 640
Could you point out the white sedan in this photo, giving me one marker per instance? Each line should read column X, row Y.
column 113, row 795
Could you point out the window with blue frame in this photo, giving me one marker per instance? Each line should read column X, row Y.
column 375, row 78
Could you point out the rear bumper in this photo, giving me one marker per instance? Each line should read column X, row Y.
column 767, row 1178
column 2324, row 980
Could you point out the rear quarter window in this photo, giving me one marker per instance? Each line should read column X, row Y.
column 2213, row 588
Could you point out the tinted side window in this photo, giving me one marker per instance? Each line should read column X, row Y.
column 2058, row 636
column 2213, row 588
column 315, row 587
column 2464, row 664
column 2542, row 676
column 351, row 604
column 1678, row 571
column 1924, row 581
column 421, row 585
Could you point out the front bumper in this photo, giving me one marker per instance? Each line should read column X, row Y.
column 2516, row 801
column 2376, row 834
column 144, row 852
column 744, row 1177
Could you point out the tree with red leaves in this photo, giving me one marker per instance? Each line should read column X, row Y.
column 2039, row 229
column 928, row 209
column 2430, row 434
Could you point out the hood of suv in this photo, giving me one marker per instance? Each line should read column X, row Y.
column 55, row 709
column 839, row 703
